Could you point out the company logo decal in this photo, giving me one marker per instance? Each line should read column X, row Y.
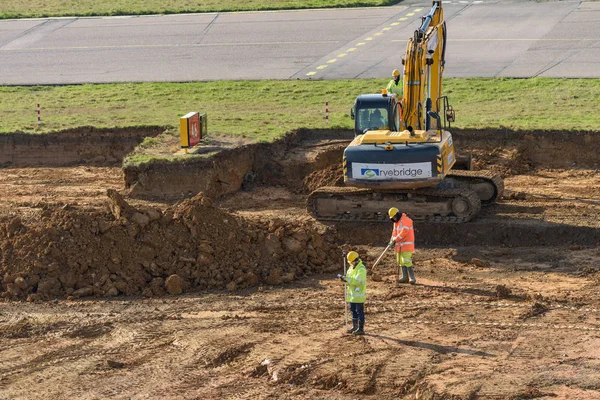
column 369, row 173
column 391, row 171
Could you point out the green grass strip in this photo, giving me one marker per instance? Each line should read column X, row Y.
column 68, row 8
column 264, row 110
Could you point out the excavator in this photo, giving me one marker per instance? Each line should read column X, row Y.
column 403, row 154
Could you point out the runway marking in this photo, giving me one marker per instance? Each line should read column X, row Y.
column 516, row 39
column 369, row 38
column 311, row 73
column 136, row 46
column 322, row 67
column 332, row 61
column 395, row 23
column 351, row 49
column 402, row 19
column 410, row 14
column 378, row 34
column 360, row 44
column 386, row 29
column 342, row 55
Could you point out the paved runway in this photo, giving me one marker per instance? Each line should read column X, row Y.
column 485, row 39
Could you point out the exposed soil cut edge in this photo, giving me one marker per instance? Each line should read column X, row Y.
column 548, row 149
column 283, row 162
column 481, row 232
column 85, row 145
column 230, row 170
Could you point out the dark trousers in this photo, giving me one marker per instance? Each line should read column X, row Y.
column 358, row 311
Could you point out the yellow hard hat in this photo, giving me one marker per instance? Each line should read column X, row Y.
column 352, row 256
column 392, row 212
column 395, row 73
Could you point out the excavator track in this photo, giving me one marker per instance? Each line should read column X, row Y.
column 488, row 185
column 453, row 205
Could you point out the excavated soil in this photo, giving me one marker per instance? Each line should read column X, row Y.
column 208, row 279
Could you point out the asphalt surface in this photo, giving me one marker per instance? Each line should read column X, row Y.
column 485, row 39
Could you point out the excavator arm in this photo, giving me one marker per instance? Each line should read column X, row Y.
column 423, row 69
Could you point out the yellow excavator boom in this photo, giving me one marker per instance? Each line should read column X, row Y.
column 423, row 68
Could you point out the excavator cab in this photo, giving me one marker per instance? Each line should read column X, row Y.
column 373, row 112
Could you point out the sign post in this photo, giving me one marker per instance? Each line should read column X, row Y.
column 192, row 126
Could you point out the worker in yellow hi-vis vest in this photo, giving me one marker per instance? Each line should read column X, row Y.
column 356, row 291
column 395, row 86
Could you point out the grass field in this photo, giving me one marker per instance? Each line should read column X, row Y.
column 264, row 110
column 61, row 8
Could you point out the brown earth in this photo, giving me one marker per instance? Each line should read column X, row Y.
column 232, row 293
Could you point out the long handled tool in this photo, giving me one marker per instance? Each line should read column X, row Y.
column 345, row 290
column 380, row 257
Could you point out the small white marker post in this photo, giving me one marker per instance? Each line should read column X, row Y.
column 39, row 116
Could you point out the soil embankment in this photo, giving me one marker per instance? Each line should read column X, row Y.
column 90, row 146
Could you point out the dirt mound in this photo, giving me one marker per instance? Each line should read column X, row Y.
column 192, row 245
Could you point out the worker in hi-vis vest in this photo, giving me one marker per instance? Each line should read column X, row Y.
column 403, row 237
column 395, row 87
column 356, row 292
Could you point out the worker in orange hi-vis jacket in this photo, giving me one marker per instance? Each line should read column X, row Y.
column 403, row 236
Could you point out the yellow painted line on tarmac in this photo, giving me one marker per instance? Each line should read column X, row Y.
column 516, row 39
column 386, row 29
column 332, row 61
column 360, row 44
column 402, row 19
column 418, row 9
column 322, row 67
column 395, row 23
column 410, row 14
column 351, row 49
column 369, row 38
column 342, row 55
column 535, row 39
column 378, row 34
column 311, row 73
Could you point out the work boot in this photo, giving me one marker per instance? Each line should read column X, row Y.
column 354, row 326
column 404, row 277
column 411, row 274
column 360, row 330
